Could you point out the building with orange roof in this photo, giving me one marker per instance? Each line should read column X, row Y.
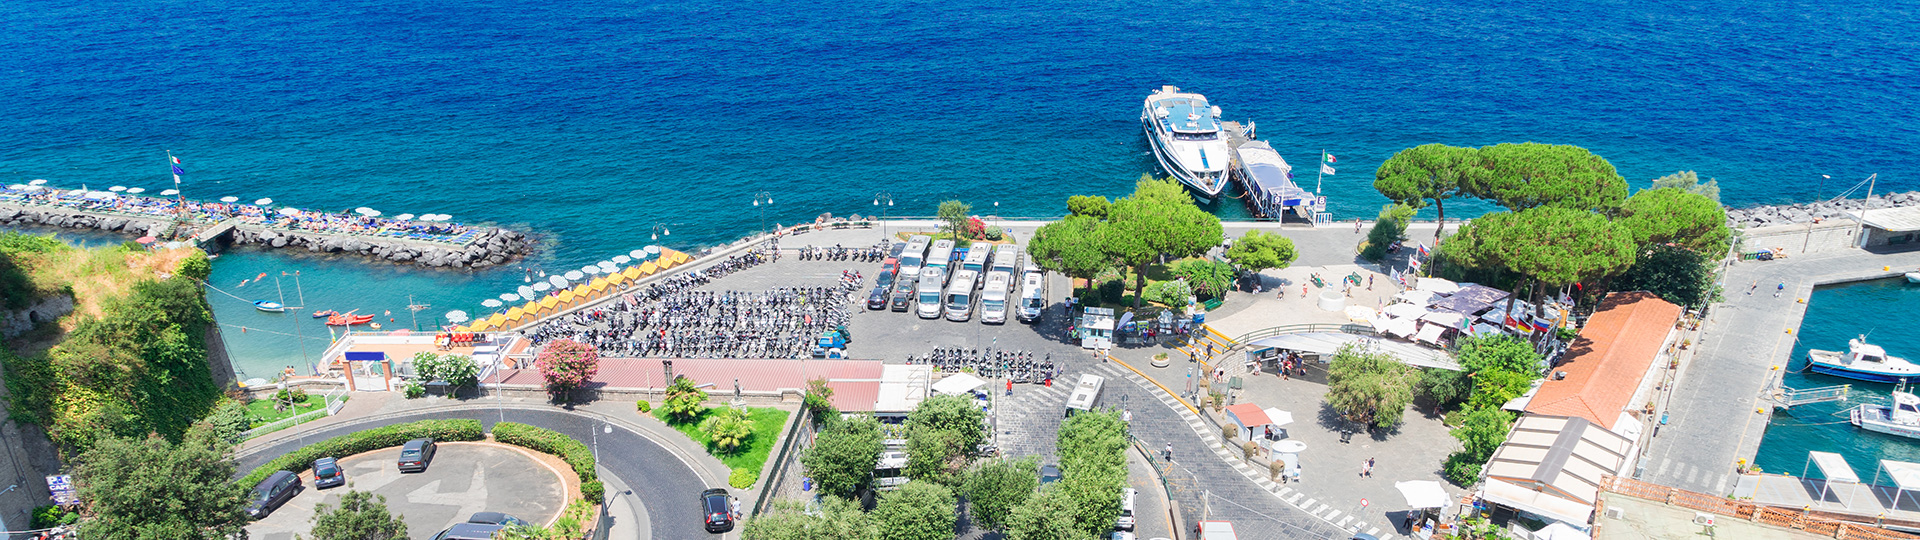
column 1604, row 376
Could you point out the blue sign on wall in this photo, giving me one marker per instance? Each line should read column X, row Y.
column 366, row 356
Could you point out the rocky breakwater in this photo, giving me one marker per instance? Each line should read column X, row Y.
column 81, row 220
column 492, row 247
column 1815, row 212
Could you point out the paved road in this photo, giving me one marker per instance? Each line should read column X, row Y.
column 666, row 487
column 464, row 478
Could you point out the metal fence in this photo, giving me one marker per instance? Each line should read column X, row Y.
column 331, row 406
column 1812, row 521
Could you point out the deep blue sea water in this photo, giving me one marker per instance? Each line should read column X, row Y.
column 1834, row 315
column 590, row 122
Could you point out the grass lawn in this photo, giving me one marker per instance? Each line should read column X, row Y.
column 767, row 423
column 261, row 410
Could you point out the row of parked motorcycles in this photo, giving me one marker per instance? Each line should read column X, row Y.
column 876, row 253
column 1018, row 366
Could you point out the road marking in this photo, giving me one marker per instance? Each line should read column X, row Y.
column 1664, row 462
column 1330, row 514
column 1308, row 504
column 1373, row 531
column 1295, row 499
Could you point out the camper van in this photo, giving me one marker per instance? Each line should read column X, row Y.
column 932, row 283
column 976, row 260
column 1006, row 260
column 1085, row 393
column 993, row 299
column 890, row 472
column 939, row 255
column 914, row 256
column 959, row 298
column 1033, row 296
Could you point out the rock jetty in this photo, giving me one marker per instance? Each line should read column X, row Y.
column 494, row 246
column 1790, row 214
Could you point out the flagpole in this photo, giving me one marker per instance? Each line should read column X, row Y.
column 180, row 212
column 1323, row 171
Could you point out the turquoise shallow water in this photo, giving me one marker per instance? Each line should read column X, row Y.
column 1886, row 311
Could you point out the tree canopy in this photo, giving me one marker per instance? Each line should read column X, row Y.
column 1048, row 515
column 1530, row 175
column 1558, row 246
column 1480, row 353
column 1071, row 247
column 1093, row 206
column 684, row 400
column 1261, row 251
column 842, row 457
column 1389, row 227
column 566, row 364
column 1672, row 215
column 1690, row 182
column 1430, row 174
column 1092, row 447
column 943, row 434
column 154, row 489
column 1481, row 431
column 953, row 216
column 1369, row 386
column 1153, row 223
column 1676, row 274
column 359, row 516
column 836, row 518
column 917, row 511
column 997, row 487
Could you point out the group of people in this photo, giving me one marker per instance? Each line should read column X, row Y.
column 212, row 212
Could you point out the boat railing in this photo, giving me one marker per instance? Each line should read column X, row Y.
column 1790, row 397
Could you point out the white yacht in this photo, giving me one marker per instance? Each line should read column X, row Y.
column 1902, row 418
column 1863, row 361
column 1187, row 139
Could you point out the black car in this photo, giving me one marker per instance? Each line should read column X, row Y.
column 1049, row 474
column 896, row 249
column 902, row 298
column 416, row 454
column 719, row 513
column 327, row 473
column 269, row 494
column 469, row 531
column 878, row 298
column 496, row 518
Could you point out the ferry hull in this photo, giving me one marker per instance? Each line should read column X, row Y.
column 1839, row 371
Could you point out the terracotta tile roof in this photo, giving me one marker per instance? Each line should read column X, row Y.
column 1249, row 414
column 1609, row 359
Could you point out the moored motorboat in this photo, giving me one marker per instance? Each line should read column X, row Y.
column 269, row 307
column 324, row 313
column 1186, row 138
column 1913, row 277
column 1902, row 418
column 1862, row 361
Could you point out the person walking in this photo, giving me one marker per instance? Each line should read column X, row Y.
column 1169, row 452
column 1754, row 287
column 1366, row 469
column 1779, row 289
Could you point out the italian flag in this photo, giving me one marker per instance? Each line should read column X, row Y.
column 176, row 161
column 1329, row 159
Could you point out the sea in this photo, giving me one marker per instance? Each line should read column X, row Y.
column 601, row 126
column 1833, row 317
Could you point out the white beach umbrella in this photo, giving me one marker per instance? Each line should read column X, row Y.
column 559, row 282
column 608, row 267
column 403, row 217
column 653, row 250
column 509, row 297
column 292, row 212
column 117, row 189
column 369, row 212
column 638, row 254
column 622, row 259
column 100, row 195
column 38, row 182
column 263, row 202
column 542, row 287
column 77, row 192
column 574, row 275
column 526, row 292
column 28, row 187
column 229, row 199
column 457, row 316
column 590, row 269
column 170, row 192
column 18, row 187
column 137, row 190
column 491, row 303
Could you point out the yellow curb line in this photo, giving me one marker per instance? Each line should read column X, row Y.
column 1163, row 388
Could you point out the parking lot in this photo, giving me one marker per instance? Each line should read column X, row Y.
column 462, row 479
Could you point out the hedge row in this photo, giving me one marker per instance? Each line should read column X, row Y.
column 548, row 441
column 367, row 440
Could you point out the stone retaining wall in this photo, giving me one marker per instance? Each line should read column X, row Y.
column 1789, row 214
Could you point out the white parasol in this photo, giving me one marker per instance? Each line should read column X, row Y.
column 170, row 192
column 263, row 202
column 526, row 292
column 590, row 270
column 1422, row 493
column 509, row 297
column 559, row 282
column 457, row 316
column 491, row 303
column 542, row 287
column 38, row 182
column 229, row 199
column 639, row 254
column 369, row 212
column 117, row 189
column 403, row 217
column 622, row 259
column 574, row 275
column 137, row 190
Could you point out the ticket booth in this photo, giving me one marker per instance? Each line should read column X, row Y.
column 1095, row 328
column 367, row 371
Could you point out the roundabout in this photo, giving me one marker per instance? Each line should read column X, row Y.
column 659, row 485
column 464, row 478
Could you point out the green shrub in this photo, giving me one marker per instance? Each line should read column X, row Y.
column 1462, row 469
column 994, row 233
column 593, row 491
column 415, row 391
column 644, row 406
column 741, row 478
column 367, row 440
column 50, row 516
column 547, row 441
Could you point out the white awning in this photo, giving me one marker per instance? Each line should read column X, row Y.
column 1409, row 311
column 1330, row 342
column 1437, row 285
column 1430, row 333
column 959, row 383
column 1278, row 417
column 1422, row 493
column 1415, row 296
column 1449, row 319
column 1519, row 498
column 1833, row 467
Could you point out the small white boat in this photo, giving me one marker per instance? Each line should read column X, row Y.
column 1913, row 277
column 269, row 307
column 1902, row 418
column 1864, row 362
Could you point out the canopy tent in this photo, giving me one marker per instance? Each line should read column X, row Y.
column 1445, row 318
column 1470, row 298
column 1560, row 530
column 1431, row 333
column 1833, row 468
column 1437, row 285
column 1398, row 326
column 1405, row 311
column 1361, row 313
column 1422, row 493
column 1326, row 343
column 1278, row 417
column 959, row 383
column 1905, row 475
column 1416, row 296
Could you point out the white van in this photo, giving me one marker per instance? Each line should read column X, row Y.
column 993, row 299
column 1085, row 393
column 1033, row 296
column 1125, row 522
column 959, row 301
column 932, row 283
column 914, row 256
column 1006, row 259
column 940, row 255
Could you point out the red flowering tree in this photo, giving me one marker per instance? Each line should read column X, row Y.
column 566, row 364
column 976, row 229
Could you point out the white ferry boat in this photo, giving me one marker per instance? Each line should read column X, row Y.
column 1187, row 140
column 1902, row 418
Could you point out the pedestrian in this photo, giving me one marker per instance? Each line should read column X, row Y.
column 1209, row 349
column 1285, row 367
column 736, row 508
column 1009, row 387
column 1126, row 416
column 1356, row 225
column 1169, row 451
column 1369, row 282
column 1303, row 290
column 1754, row 287
column 1269, row 432
column 1778, row 289
column 1367, row 469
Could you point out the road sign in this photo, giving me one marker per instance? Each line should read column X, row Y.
column 62, row 488
column 1363, row 503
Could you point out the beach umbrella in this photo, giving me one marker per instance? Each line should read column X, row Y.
column 590, row 269
column 509, row 297
column 117, row 189
column 557, row 281
column 526, row 292
column 542, row 287
column 263, row 202
column 369, row 212
column 25, row 187
column 17, row 186
column 491, row 303
column 292, row 212
column 457, row 316
column 100, row 195
column 147, row 240
column 37, row 182
column 574, row 275
column 608, row 267
column 638, row 254
column 622, row 259
column 170, row 192
column 653, row 250
column 77, row 192
column 137, row 190
column 229, row 198
column 403, row 217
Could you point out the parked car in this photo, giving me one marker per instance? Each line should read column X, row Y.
column 269, row 494
column 416, row 454
column 1125, row 521
column 496, row 518
column 878, row 298
column 714, row 502
column 327, row 473
column 469, row 531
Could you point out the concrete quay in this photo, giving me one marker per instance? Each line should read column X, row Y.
column 1718, row 408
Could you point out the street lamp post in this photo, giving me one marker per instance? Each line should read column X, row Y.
column 659, row 230
column 761, row 197
column 877, row 198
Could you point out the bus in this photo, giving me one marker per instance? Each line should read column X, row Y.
column 1006, row 260
column 1085, row 394
column 993, row 299
column 890, row 472
column 914, row 255
column 932, row 283
column 976, row 260
column 1033, row 296
column 939, row 255
column 960, row 296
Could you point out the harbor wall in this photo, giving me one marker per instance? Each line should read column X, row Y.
column 493, row 246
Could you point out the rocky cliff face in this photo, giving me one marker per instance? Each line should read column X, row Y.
column 19, row 321
column 1767, row 216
